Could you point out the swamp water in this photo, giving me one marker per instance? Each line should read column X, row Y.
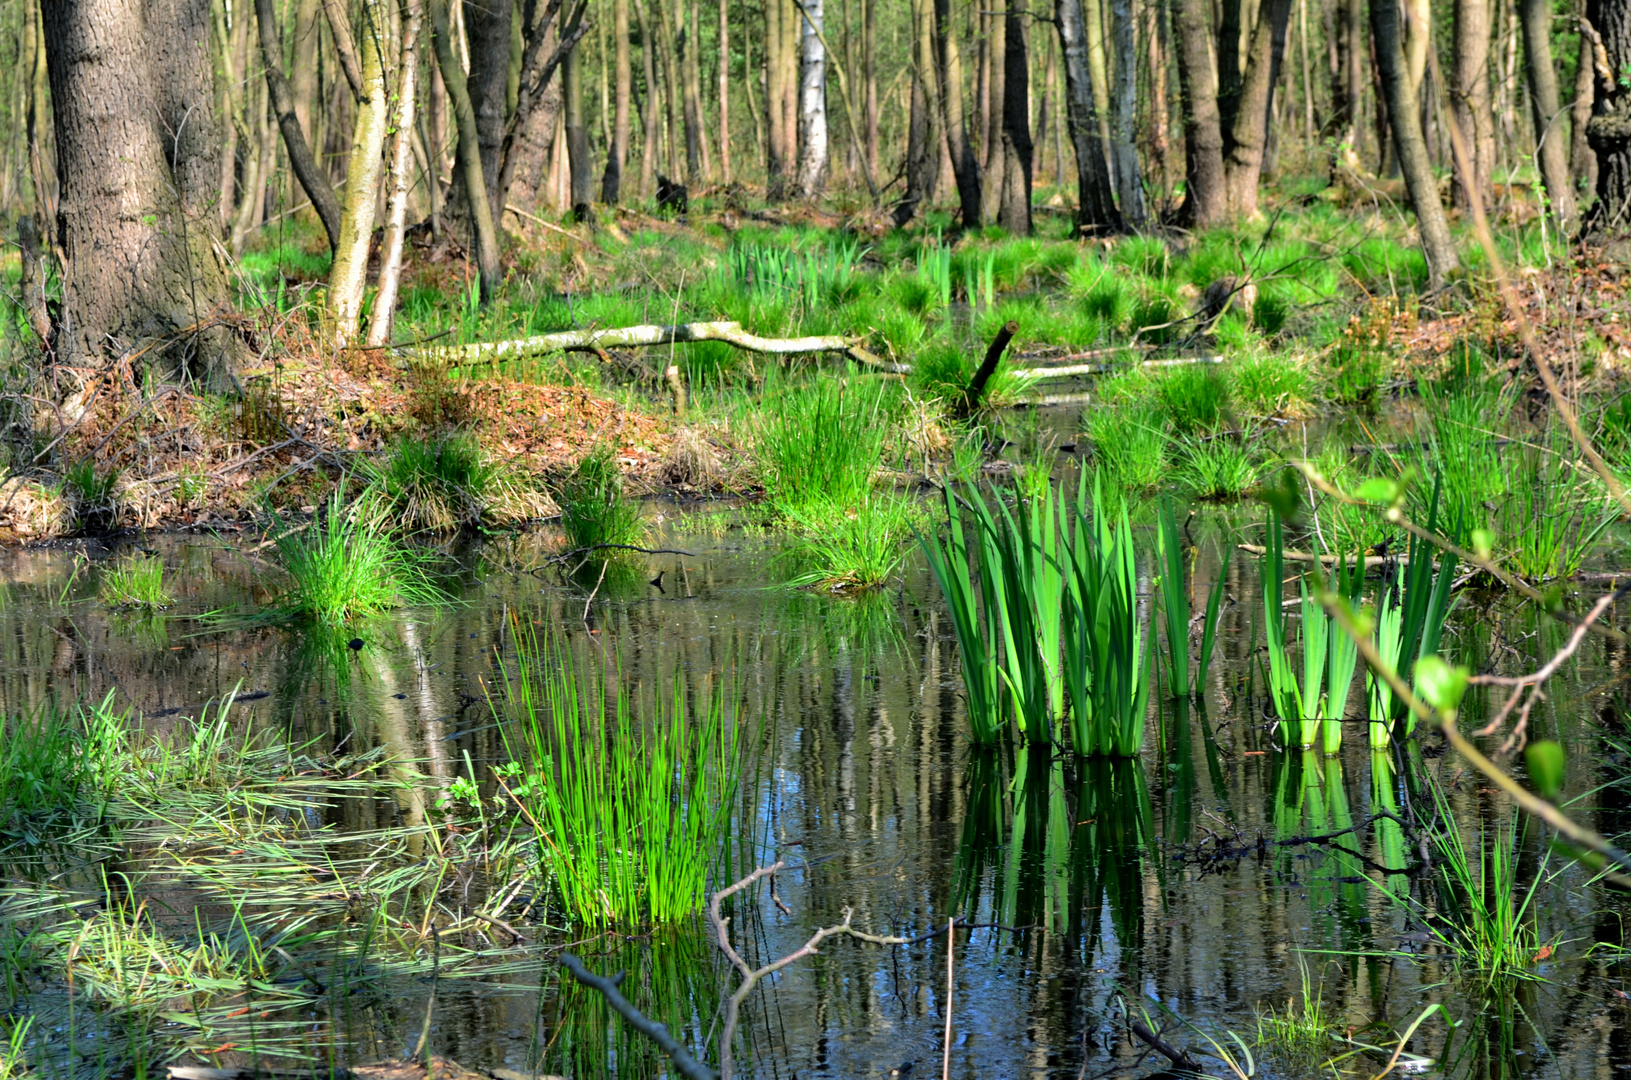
column 1160, row 884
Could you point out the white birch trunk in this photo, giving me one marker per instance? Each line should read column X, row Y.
column 812, row 101
column 396, row 214
column 363, row 174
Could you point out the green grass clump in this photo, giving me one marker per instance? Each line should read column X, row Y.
column 1301, row 1033
column 345, row 566
column 594, row 508
column 822, row 443
column 135, row 581
column 1216, row 468
column 1193, row 398
column 426, row 486
column 943, row 370
column 633, row 813
column 1129, row 446
column 53, row 760
column 1268, row 384
column 847, row 548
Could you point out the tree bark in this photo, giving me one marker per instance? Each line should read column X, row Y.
column 1129, row 184
column 1095, row 203
column 869, row 78
column 685, row 55
column 1470, row 97
column 313, row 180
column 1015, row 212
column 812, row 126
column 653, row 127
column 1205, row 196
column 142, row 264
column 1582, row 162
column 1405, row 118
column 468, row 155
column 724, row 83
column 580, row 162
column 1536, row 16
column 1230, row 31
column 1244, row 164
column 488, row 27
column 349, row 273
column 1609, row 131
column 922, row 142
column 611, row 184
column 776, row 162
column 396, row 211
column 949, row 81
column 994, row 159
column 304, row 69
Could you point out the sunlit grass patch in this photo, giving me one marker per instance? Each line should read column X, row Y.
column 848, row 547
column 344, row 566
column 135, row 581
column 1129, row 446
column 594, row 508
column 823, row 443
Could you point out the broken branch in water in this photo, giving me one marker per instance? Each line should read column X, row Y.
column 632, row 337
column 688, row 1066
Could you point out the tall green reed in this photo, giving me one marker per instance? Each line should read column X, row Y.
column 1175, row 605
column 963, row 587
column 632, row 813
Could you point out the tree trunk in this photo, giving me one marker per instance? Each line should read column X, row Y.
column 686, row 49
column 1244, row 164
column 869, row 79
column 653, row 128
column 611, row 184
column 1470, row 98
column 724, row 82
column 313, row 180
column 1405, row 118
column 776, row 163
column 1160, row 136
column 922, row 134
column 488, row 27
column 812, row 126
column 994, row 161
column 1015, row 214
column 1418, row 34
column 396, row 211
column 673, row 91
column 580, row 162
column 949, row 82
column 137, row 228
column 1230, row 31
column 349, row 274
column 1609, row 131
column 1205, row 196
column 1095, row 203
column 303, row 72
column 1547, row 113
column 1129, row 184
column 1582, row 161
column 468, row 168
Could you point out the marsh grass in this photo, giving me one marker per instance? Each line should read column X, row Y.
column 431, row 486
column 56, row 763
column 1129, row 446
column 344, row 566
column 594, row 508
column 1218, row 468
column 1301, row 1033
column 1268, row 383
column 136, row 581
column 847, row 549
column 1174, row 582
column 822, row 444
column 634, row 812
column 1193, row 399
column 943, row 370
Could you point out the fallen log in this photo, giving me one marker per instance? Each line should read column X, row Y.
column 1371, row 561
column 634, row 337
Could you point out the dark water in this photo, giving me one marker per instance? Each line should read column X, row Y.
column 1092, row 884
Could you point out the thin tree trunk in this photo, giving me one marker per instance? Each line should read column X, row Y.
column 1609, row 130
column 994, row 163
column 1411, row 147
column 1469, row 96
column 687, row 47
column 1044, row 115
column 1547, row 112
column 949, row 80
column 339, row 27
column 1099, row 66
column 232, row 64
column 776, row 163
column 982, row 83
column 1582, row 161
column 1308, row 71
column 252, row 196
column 303, row 83
column 1129, row 184
column 488, row 29
column 792, row 34
column 580, row 162
column 313, row 180
column 1015, row 214
column 468, row 155
column 812, row 126
column 1230, row 31
column 673, row 90
column 396, row 212
column 1205, row 195
column 1243, row 165
column 724, row 82
column 350, row 271
column 922, row 159
column 1095, row 202
column 653, row 134
column 611, row 183
column 1418, row 35
column 869, row 79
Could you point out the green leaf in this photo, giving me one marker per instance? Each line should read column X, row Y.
column 1378, row 489
column 1440, row 684
column 1545, row 760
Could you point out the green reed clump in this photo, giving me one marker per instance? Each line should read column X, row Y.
column 1410, row 617
column 1219, row 467
column 594, row 508
column 432, row 486
column 963, row 588
column 822, row 443
column 56, row 761
column 135, row 581
column 942, row 371
column 1175, row 603
column 345, row 566
column 1301, row 1033
column 1193, row 398
column 1268, row 383
column 848, row 548
column 1107, row 667
column 1129, row 446
column 633, row 812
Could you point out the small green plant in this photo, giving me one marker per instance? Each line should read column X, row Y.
column 632, row 814
column 344, row 566
column 1175, row 603
column 594, row 509
column 92, row 494
column 1268, row 384
column 845, row 549
column 1217, row 467
column 135, row 581
column 1301, row 1033
column 943, row 370
column 425, row 486
column 1193, row 399
column 57, row 762
column 822, row 443
column 1129, row 446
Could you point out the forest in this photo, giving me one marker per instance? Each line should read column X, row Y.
column 833, row 538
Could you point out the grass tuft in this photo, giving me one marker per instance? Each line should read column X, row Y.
column 345, row 566
column 426, row 486
column 594, row 508
column 135, row 581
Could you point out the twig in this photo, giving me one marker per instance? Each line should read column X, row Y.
column 688, row 1066
column 1162, row 1047
column 951, row 949
column 536, row 220
column 567, row 556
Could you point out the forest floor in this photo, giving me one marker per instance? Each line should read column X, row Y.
column 1336, row 319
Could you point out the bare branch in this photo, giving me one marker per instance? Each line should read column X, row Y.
column 688, row 1066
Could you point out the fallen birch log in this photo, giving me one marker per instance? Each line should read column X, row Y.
column 1371, row 561
column 634, row 337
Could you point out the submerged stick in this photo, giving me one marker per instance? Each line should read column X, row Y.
column 988, row 367
column 1371, row 561
column 633, row 337
column 688, row 1066
column 951, row 950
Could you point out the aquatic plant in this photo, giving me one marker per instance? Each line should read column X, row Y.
column 594, row 508
column 1106, row 665
column 135, row 581
column 943, row 369
column 822, row 443
column 1129, row 446
column 632, row 813
column 1300, row 1033
column 92, row 493
column 343, row 566
column 1267, row 383
column 1218, row 467
column 1175, row 604
column 52, row 758
column 1409, row 625
column 431, row 486
column 977, row 649
column 846, row 548
column 1193, row 398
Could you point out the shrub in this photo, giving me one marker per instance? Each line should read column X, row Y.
column 135, row 581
